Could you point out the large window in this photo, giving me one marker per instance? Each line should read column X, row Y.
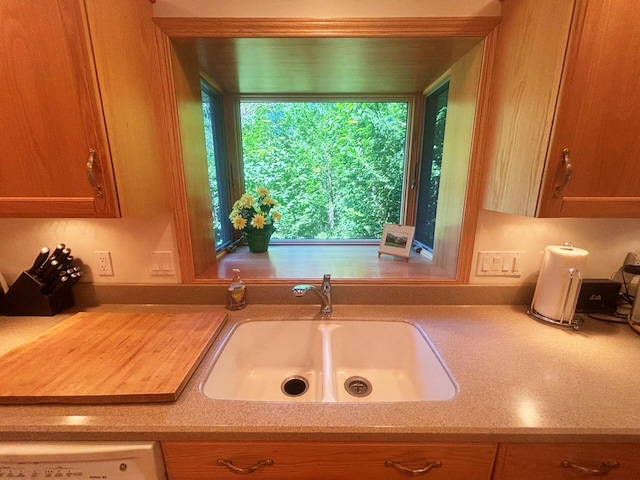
column 335, row 167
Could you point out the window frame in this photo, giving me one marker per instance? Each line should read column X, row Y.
column 198, row 262
column 221, row 161
column 426, row 161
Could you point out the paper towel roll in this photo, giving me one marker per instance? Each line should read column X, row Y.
column 555, row 295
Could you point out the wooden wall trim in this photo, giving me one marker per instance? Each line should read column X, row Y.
column 307, row 27
column 193, row 258
column 475, row 177
column 179, row 201
column 50, row 207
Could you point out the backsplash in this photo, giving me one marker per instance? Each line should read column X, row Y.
column 132, row 241
column 606, row 240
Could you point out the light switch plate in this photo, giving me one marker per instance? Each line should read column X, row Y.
column 499, row 263
column 162, row 263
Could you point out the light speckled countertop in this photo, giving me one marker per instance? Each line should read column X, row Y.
column 520, row 380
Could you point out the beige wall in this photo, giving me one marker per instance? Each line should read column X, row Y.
column 131, row 242
column 606, row 240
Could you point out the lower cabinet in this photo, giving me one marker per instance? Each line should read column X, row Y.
column 328, row 460
column 567, row 461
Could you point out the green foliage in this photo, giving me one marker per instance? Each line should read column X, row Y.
column 337, row 167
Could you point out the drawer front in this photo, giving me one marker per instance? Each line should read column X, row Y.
column 548, row 461
column 328, row 460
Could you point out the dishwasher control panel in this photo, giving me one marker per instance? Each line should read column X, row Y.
column 81, row 461
column 95, row 470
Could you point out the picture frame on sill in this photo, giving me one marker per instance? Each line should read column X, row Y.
column 396, row 240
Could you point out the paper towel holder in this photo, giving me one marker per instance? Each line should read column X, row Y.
column 567, row 319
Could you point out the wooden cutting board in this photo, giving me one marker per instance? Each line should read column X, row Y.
column 109, row 358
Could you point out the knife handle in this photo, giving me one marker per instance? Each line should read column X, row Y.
column 65, row 262
column 59, row 249
column 56, row 286
column 50, row 272
column 75, row 277
column 40, row 259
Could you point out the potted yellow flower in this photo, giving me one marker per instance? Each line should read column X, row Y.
column 255, row 218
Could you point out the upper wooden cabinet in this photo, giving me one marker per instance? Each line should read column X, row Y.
column 80, row 123
column 563, row 136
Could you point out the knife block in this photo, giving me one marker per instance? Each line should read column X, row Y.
column 24, row 298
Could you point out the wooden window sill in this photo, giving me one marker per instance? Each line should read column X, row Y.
column 310, row 262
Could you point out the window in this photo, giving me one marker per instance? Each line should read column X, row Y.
column 216, row 164
column 430, row 165
column 336, row 167
column 355, row 63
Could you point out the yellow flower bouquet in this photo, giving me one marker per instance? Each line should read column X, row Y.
column 255, row 218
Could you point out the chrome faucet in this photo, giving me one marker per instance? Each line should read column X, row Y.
column 324, row 292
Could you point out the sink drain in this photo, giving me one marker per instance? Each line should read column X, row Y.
column 358, row 386
column 294, row 386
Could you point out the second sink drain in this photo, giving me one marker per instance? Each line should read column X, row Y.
column 358, row 386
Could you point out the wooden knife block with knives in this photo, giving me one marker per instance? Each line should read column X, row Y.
column 44, row 289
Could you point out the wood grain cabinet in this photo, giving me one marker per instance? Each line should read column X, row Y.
column 563, row 138
column 327, row 460
column 80, row 123
column 544, row 461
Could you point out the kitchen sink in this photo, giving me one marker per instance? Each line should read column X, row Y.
column 329, row 361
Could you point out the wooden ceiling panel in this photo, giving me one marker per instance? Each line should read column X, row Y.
column 328, row 65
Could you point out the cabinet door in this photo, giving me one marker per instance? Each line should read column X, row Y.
column 546, row 461
column 51, row 115
column 597, row 119
column 328, row 460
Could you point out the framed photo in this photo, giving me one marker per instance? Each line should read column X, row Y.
column 396, row 240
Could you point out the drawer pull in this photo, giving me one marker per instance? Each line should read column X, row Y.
column 229, row 464
column 91, row 175
column 605, row 468
column 413, row 471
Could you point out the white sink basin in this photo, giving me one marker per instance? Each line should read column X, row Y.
column 329, row 361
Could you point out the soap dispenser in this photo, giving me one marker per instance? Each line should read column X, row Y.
column 237, row 292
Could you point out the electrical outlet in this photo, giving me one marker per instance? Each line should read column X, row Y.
column 105, row 267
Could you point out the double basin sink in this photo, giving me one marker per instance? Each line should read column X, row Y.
column 329, row 361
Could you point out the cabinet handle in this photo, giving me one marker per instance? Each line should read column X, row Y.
column 414, row 471
column 568, row 171
column 91, row 176
column 604, row 469
column 229, row 464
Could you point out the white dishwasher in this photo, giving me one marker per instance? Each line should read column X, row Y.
column 81, row 460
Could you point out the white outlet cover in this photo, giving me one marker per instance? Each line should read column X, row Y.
column 105, row 266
